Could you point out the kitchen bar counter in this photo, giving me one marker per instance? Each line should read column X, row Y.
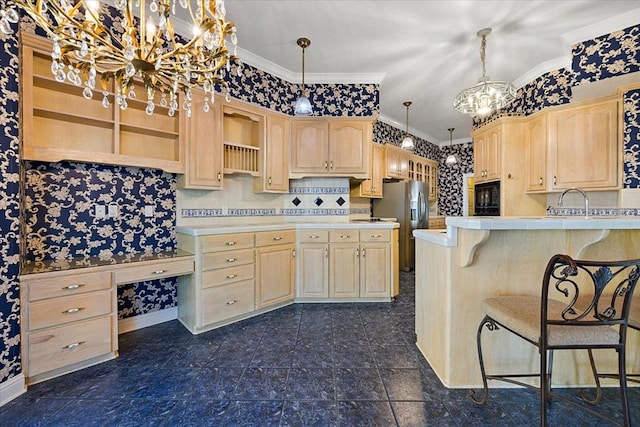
column 475, row 258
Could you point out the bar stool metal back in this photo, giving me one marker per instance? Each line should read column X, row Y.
column 583, row 305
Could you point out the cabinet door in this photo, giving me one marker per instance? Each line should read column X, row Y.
column 349, row 148
column 431, row 174
column 375, row 273
column 309, row 147
column 491, row 154
column 373, row 187
column 313, row 270
column 478, row 157
column 344, row 270
column 274, row 176
column 397, row 162
column 583, row 146
column 204, row 165
column 536, row 142
column 275, row 275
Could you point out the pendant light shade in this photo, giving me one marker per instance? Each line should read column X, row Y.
column 407, row 141
column 303, row 105
column 451, row 158
column 485, row 96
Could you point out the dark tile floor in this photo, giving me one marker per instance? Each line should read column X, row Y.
column 302, row 365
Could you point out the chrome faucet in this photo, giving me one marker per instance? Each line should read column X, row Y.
column 586, row 199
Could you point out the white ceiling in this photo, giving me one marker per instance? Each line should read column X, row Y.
column 420, row 51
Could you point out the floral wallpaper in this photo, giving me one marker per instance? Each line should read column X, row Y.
column 450, row 182
column 10, row 361
column 631, row 139
column 384, row 133
column 610, row 55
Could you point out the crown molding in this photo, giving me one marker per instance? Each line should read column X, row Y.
column 388, row 120
column 601, row 28
column 540, row 69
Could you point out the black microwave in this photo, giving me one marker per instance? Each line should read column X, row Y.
column 487, row 199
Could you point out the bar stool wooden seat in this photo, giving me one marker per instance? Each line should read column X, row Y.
column 583, row 305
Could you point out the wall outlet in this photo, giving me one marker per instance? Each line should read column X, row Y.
column 100, row 211
column 113, row 211
column 148, row 211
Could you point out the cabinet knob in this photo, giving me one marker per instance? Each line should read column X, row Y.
column 73, row 310
column 73, row 345
column 72, row 287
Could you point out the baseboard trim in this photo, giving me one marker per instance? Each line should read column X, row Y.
column 138, row 322
column 12, row 388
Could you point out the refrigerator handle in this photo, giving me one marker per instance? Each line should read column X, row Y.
column 419, row 207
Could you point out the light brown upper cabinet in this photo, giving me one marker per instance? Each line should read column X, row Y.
column 487, row 153
column 274, row 157
column 575, row 145
column 330, row 146
column 372, row 187
column 204, row 160
column 59, row 123
column 397, row 165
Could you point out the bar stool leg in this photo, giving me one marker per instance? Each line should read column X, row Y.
column 491, row 325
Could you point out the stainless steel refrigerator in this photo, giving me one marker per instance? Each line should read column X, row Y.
column 407, row 201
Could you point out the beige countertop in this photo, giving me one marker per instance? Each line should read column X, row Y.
column 202, row 230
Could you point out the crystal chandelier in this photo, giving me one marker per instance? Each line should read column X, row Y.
column 451, row 158
column 407, row 141
column 143, row 50
column 303, row 105
column 486, row 95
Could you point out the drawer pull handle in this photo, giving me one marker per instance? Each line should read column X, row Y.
column 231, row 243
column 277, row 238
column 376, row 236
column 159, row 271
column 314, row 236
column 233, row 301
column 73, row 310
column 231, row 260
column 73, row 345
column 71, row 287
column 345, row 236
column 231, row 276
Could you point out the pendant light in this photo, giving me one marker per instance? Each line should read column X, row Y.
column 485, row 96
column 451, row 158
column 407, row 142
column 303, row 106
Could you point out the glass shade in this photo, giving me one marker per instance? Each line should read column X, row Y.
column 407, row 143
column 451, row 160
column 303, row 107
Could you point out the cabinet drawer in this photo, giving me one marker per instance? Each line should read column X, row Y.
column 58, row 347
column 169, row 268
column 349, row 235
column 310, row 236
column 223, row 276
column 224, row 302
column 58, row 311
column 375, row 235
column 67, row 285
column 268, row 238
column 214, row 260
column 225, row 242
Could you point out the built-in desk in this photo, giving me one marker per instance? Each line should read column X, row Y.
column 475, row 258
column 69, row 308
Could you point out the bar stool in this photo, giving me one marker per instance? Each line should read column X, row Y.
column 583, row 305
